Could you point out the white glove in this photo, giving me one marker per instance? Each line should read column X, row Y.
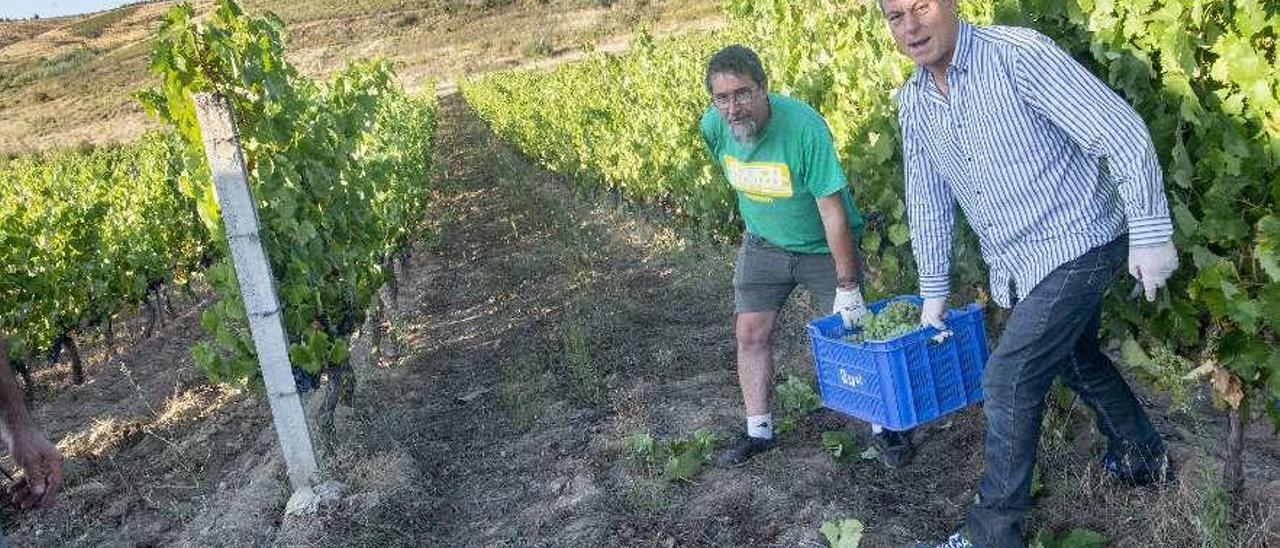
column 1152, row 266
column 932, row 312
column 849, row 305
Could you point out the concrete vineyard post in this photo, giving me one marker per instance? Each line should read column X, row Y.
column 262, row 307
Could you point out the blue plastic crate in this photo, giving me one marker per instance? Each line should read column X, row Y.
column 905, row 381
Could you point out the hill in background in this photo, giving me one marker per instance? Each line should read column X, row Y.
column 69, row 81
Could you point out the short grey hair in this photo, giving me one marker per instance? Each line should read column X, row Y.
column 736, row 59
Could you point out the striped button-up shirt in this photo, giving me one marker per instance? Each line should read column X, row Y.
column 1045, row 161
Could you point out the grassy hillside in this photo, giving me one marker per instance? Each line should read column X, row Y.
column 69, row 81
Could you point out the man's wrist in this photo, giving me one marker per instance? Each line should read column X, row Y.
column 1154, row 244
column 1151, row 231
column 848, row 283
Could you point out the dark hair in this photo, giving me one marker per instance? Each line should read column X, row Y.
column 738, row 60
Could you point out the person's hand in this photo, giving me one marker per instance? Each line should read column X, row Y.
column 849, row 305
column 41, row 464
column 932, row 312
column 1152, row 266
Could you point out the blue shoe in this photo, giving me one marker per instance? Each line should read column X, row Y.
column 1138, row 472
column 954, row 541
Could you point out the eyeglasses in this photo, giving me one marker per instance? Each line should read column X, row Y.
column 739, row 97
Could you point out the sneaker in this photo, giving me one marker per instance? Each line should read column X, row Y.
column 743, row 448
column 1135, row 472
column 894, row 447
column 954, row 541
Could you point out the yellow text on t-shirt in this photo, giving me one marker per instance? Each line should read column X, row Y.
column 760, row 181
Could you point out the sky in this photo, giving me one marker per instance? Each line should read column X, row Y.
column 54, row 8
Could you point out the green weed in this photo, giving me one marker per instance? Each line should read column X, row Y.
column 796, row 398
column 846, row 533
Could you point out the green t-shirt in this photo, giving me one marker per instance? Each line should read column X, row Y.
column 778, row 181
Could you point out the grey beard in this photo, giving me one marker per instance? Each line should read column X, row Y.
column 745, row 133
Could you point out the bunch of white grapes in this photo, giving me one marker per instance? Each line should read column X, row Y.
column 895, row 319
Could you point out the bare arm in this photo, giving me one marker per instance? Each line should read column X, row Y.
column 839, row 238
column 40, row 460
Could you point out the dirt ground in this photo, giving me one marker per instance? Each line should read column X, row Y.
column 537, row 328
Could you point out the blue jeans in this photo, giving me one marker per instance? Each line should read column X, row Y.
column 1052, row 332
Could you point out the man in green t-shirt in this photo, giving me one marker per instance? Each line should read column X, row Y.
column 800, row 218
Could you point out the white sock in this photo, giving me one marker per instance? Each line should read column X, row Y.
column 760, row 426
column 876, row 429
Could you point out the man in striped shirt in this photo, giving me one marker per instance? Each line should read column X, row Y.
column 1058, row 177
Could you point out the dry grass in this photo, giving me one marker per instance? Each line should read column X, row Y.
column 104, row 435
column 1193, row 511
column 17, row 31
column 108, row 434
column 72, row 80
column 194, row 405
column 70, row 88
column 94, row 26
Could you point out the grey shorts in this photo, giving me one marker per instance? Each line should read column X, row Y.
column 765, row 275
